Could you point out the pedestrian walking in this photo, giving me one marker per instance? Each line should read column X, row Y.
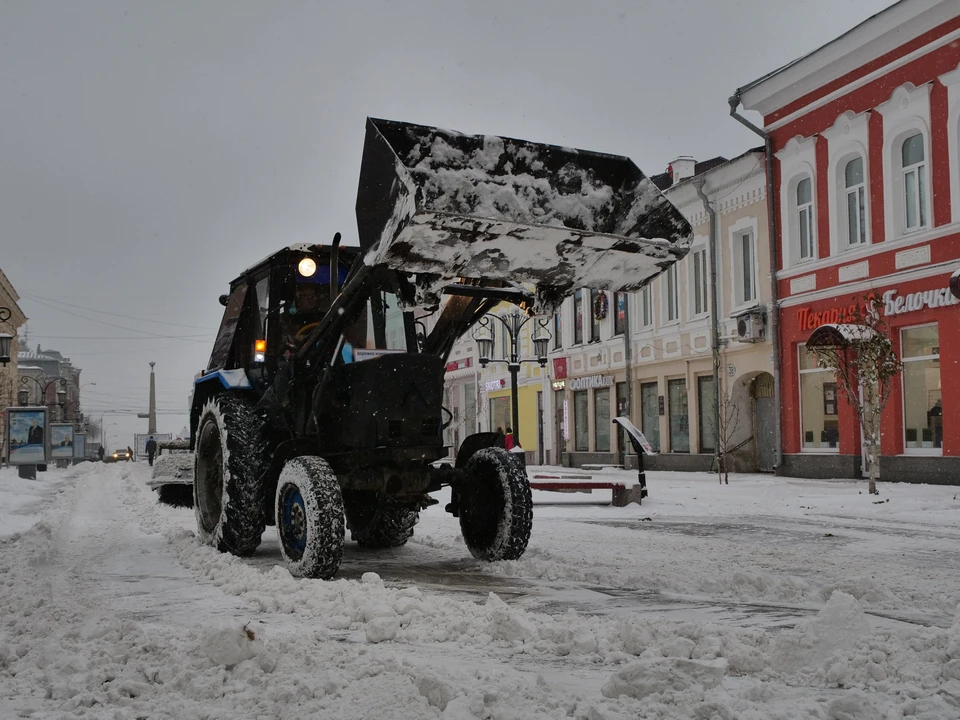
column 151, row 449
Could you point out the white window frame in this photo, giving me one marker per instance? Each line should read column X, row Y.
column 906, row 113
column 847, row 138
column 918, row 171
column 646, row 314
column 936, row 452
column 798, row 159
column 951, row 81
column 801, row 348
column 698, row 259
column 858, row 192
column 670, row 281
column 805, row 210
column 748, row 226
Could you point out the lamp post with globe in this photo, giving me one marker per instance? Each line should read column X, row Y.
column 513, row 323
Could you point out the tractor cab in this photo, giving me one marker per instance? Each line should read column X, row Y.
column 273, row 306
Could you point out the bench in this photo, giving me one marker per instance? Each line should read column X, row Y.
column 623, row 494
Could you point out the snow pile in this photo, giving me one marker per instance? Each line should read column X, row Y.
column 510, row 182
column 676, row 675
column 173, row 467
column 840, row 625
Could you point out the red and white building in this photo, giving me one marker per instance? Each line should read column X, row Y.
column 865, row 136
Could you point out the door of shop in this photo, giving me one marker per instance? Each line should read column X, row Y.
column 766, row 410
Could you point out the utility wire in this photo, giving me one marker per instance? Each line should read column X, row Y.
column 104, row 322
column 121, row 315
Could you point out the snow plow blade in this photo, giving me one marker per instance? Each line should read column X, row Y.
column 446, row 205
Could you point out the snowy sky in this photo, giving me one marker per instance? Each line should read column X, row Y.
column 152, row 151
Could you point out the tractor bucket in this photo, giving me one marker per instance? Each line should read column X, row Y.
column 445, row 205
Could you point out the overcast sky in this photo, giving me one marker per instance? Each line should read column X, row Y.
column 151, row 151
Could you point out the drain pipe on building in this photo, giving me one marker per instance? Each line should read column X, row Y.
column 698, row 183
column 774, row 319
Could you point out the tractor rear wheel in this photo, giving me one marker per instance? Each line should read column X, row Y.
column 227, row 493
column 377, row 520
column 309, row 517
column 495, row 506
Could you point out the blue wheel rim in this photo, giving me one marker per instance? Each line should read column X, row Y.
column 293, row 522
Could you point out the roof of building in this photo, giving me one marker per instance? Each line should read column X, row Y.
column 663, row 180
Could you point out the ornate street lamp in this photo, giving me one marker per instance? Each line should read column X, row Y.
column 5, row 338
column 513, row 323
column 23, row 394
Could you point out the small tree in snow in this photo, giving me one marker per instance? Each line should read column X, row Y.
column 728, row 418
column 860, row 353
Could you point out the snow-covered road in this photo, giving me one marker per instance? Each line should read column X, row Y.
column 768, row 598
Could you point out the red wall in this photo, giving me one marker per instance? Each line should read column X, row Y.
column 792, row 335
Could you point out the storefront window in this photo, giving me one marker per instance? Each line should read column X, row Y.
column 705, row 398
column 500, row 413
column 650, row 413
column 819, row 403
column 601, row 419
column 922, row 406
column 580, row 422
column 679, row 416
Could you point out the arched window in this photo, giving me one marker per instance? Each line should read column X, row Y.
column 805, row 218
column 914, row 169
column 855, row 190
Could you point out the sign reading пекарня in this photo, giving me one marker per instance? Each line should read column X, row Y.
column 893, row 304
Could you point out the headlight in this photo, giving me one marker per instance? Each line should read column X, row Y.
column 307, row 267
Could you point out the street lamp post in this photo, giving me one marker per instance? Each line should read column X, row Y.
column 106, row 437
column 23, row 395
column 513, row 323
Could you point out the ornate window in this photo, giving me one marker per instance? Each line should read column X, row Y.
column 855, row 194
column 805, row 218
column 914, row 170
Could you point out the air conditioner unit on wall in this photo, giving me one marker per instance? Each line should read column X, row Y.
column 752, row 327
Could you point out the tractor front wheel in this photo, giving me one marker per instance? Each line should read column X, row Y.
column 495, row 506
column 309, row 518
column 227, row 493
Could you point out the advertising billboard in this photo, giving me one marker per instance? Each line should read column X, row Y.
column 79, row 445
column 61, row 441
column 26, row 435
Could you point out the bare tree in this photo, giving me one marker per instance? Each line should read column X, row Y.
column 860, row 353
column 728, row 418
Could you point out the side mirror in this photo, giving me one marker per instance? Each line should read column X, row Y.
column 224, row 299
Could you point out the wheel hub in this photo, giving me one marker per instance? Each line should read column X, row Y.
column 293, row 518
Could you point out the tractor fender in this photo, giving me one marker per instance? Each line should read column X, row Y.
column 472, row 443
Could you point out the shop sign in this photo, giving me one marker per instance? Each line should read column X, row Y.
column 558, row 384
column 458, row 364
column 559, row 368
column 894, row 304
column 593, row 381
column 566, row 420
column 495, row 385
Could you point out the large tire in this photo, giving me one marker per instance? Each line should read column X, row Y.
column 227, row 492
column 495, row 506
column 377, row 520
column 309, row 517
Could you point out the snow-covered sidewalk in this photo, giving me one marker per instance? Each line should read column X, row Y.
column 768, row 598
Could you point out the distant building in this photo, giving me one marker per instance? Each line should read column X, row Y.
column 8, row 374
